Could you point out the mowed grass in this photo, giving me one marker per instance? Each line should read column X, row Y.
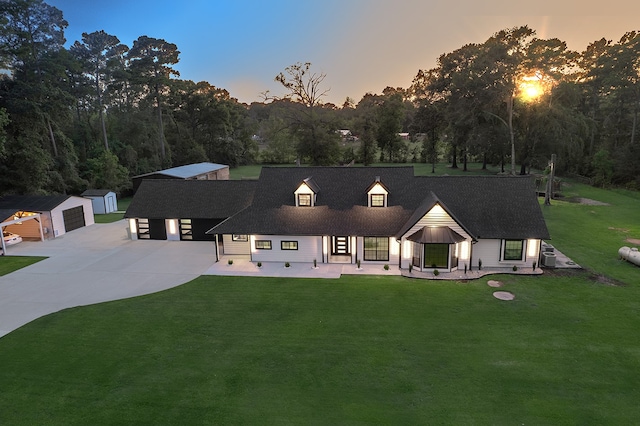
column 359, row 350
column 253, row 171
column 123, row 204
column 591, row 235
column 9, row 264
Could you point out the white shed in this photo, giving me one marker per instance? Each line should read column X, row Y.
column 103, row 200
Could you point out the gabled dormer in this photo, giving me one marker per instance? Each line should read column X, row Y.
column 306, row 193
column 377, row 194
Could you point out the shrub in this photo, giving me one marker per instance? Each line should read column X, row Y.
column 436, row 272
column 410, row 267
column 287, row 264
column 465, row 268
column 259, row 264
column 358, row 263
column 515, row 268
column 534, row 265
column 315, row 263
column 230, row 261
column 386, row 267
column 480, row 264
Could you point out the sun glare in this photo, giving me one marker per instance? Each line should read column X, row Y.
column 531, row 88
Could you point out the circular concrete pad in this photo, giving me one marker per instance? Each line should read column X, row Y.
column 503, row 295
column 493, row 283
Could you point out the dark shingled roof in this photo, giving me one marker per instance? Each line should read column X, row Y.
column 485, row 206
column 192, row 199
column 6, row 214
column 32, row 203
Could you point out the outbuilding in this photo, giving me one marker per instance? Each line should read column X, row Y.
column 103, row 200
column 197, row 171
column 38, row 217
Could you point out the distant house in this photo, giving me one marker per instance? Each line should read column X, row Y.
column 198, row 171
column 382, row 215
column 103, row 200
column 39, row 217
column 185, row 210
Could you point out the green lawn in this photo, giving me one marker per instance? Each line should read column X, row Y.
column 123, row 204
column 9, row 264
column 591, row 235
column 358, row 350
column 253, row 171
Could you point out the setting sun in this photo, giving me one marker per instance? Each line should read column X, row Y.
column 531, row 87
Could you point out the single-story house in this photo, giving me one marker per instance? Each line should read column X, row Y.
column 197, row 171
column 387, row 215
column 185, row 209
column 39, row 217
column 382, row 215
column 103, row 200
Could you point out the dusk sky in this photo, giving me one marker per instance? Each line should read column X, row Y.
column 362, row 45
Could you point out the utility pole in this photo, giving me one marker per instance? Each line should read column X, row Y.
column 548, row 195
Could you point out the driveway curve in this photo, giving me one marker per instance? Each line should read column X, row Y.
column 95, row 264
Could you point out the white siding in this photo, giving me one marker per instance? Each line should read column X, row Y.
column 437, row 216
column 309, row 248
column 58, row 220
column 106, row 204
column 491, row 252
column 304, row 189
column 235, row 247
column 488, row 251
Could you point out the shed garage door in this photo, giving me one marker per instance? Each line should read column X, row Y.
column 73, row 218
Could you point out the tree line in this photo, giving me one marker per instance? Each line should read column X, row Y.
column 98, row 112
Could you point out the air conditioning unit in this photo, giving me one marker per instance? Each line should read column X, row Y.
column 548, row 259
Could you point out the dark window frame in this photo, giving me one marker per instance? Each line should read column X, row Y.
column 285, row 242
column 309, row 204
column 436, row 251
column 509, row 248
column 380, row 198
column 379, row 252
column 266, row 244
column 239, row 237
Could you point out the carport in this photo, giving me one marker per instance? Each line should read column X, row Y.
column 11, row 217
column 58, row 214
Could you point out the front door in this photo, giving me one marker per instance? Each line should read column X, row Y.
column 340, row 246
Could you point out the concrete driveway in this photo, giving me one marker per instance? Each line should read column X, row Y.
column 92, row 265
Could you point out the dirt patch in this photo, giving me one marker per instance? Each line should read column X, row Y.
column 587, row 275
column 624, row 231
column 589, row 202
column 503, row 295
column 634, row 241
